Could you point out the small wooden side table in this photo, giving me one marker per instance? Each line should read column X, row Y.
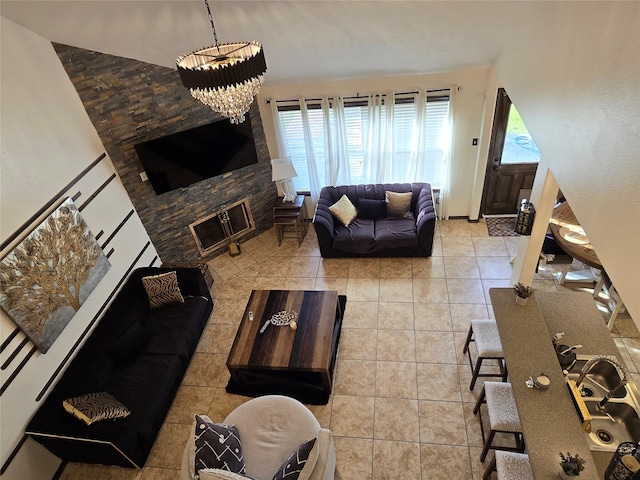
column 288, row 216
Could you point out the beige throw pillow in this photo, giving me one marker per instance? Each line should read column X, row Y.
column 344, row 210
column 398, row 204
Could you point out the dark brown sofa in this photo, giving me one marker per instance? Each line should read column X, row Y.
column 380, row 237
column 139, row 356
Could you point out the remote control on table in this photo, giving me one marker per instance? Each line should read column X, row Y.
column 264, row 327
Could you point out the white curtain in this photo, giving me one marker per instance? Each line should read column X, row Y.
column 419, row 147
column 378, row 145
column 445, row 191
column 337, row 166
column 314, row 176
column 431, row 161
column 282, row 150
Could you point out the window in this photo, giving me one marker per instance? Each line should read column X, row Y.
column 519, row 147
column 405, row 139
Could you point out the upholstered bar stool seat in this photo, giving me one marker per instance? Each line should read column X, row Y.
column 510, row 466
column 503, row 416
column 487, row 339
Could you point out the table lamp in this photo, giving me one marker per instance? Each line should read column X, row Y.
column 282, row 171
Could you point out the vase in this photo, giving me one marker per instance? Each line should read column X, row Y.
column 521, row 301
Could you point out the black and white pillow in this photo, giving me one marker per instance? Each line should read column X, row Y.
column 95, row 407
column 217, row 474
column 294, row 466
column 162, row 289
column 217, row 446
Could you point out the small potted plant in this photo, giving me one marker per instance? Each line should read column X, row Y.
column 571, row 465
column 522, row 293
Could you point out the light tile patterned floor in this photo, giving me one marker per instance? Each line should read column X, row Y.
column 401, row 406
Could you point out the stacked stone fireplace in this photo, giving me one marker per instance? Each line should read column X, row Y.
column 146, row 101
column 224, row 226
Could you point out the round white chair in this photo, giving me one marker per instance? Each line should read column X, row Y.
column 271, row 428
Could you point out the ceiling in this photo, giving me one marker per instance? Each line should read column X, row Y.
column 304, row 41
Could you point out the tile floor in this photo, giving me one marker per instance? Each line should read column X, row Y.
column 401, row 406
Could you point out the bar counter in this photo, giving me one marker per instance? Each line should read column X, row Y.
column 550, row 423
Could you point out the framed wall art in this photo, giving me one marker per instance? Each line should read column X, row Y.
column 46, row 278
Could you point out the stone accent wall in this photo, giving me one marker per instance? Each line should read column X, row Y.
column 128, row 102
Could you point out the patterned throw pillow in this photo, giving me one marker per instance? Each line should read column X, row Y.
column 344, row 210
column 293, row 467
column 162, row 289
column 218, row 446
column 94, row 407
column 398, row 204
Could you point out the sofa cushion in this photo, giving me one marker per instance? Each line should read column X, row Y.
column 90, row 371
column 175, row 327
column 372, row 209
column 396, row 232
column 217, row 446
column 147, row 387
column 162, row 289
column 95, row 407
column 128, row 347
column 344, row 210
column 300, row 464
column 358, row 238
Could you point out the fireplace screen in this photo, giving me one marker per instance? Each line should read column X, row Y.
column 222, row 227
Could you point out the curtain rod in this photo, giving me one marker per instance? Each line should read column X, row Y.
column 358, row 96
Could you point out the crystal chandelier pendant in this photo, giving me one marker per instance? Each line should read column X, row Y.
column 224, row 77
column 232, row 102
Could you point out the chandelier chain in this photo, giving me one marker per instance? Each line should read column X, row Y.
column 213, row 27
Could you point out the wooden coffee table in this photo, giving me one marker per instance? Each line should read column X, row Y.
column 298, row 363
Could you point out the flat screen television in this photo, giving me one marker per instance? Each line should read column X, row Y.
column 184, row 158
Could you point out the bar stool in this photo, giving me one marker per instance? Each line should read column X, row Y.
column 510, row 466
column 503, row 416
column 487, row 339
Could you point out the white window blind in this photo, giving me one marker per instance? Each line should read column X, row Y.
column 356, row 120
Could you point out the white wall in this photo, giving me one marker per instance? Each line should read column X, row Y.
column 468, row 116
column 48, row 140
column 46, row 136
column 573, row 70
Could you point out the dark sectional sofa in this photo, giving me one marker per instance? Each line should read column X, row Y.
column 139, row 356
column 410, row 236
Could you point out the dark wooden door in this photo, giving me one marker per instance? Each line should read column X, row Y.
column 505, row 179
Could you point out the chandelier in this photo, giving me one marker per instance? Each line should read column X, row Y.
column 225, row 77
